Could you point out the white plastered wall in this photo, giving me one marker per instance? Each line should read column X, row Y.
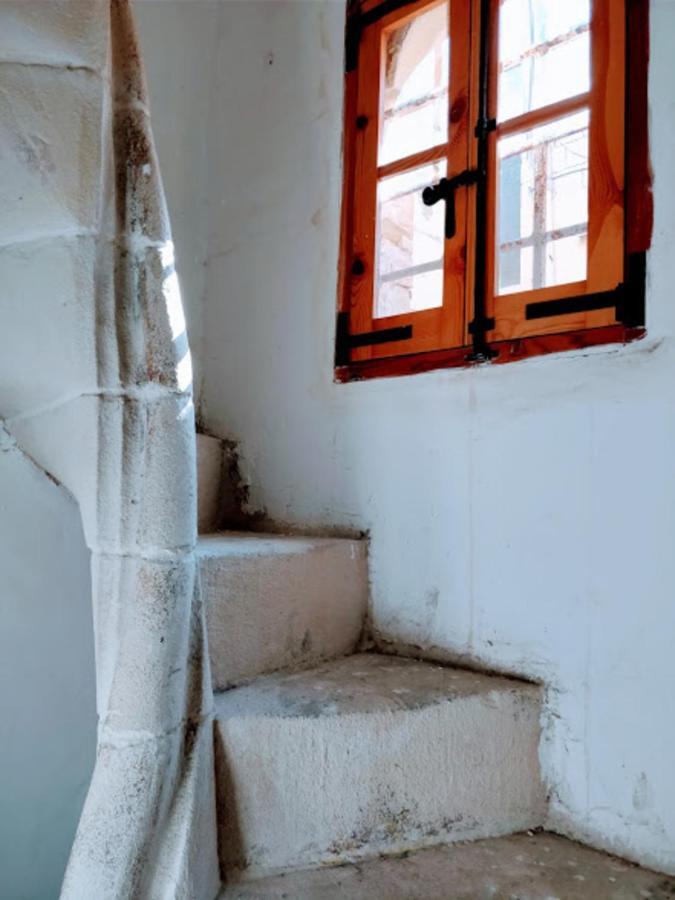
column 47, row 686
column 521, row 517
column 178, row 39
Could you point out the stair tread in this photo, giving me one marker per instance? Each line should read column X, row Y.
column 528, row 866
column 360, row 684
column 432, row 755
column 249, row 543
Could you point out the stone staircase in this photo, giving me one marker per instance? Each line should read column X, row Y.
column 327, row 756
column 280, row 601
column 521, row 867
column 371, row 754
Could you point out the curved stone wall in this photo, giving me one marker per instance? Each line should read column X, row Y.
column 96, row 388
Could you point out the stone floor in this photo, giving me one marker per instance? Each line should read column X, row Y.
column 520, row 867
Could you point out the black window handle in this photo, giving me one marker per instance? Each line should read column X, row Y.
column 445, row 190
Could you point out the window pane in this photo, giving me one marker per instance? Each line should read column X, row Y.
column 566, row 259
column 544, row 53
column 543, row 205
column 414, row 112
column 410, row 293
column 410, row 243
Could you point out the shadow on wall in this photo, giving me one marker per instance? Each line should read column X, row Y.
column 47, row 682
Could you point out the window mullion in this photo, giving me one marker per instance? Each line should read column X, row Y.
column 544, row 114
column 413, row 161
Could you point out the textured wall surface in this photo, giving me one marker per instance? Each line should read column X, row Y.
column 520, row 516
column 96, row 387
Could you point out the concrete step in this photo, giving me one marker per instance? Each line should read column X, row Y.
column 528, row 867
column 218, row 504
column 277, row 601
column 372, row 754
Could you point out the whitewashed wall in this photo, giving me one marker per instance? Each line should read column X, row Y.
column 47, row 688
column 179, row 39
column 521, row 516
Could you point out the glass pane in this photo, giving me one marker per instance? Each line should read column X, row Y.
column 544, row 53
column 566, row 259
column 410, row 293
column 410, row 243
column 414, row 112
column 543, row 205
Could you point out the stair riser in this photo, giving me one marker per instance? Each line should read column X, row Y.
column 275, row 611
column 322, row 789
column 217, row 503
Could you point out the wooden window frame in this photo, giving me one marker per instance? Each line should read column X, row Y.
column 582, row 323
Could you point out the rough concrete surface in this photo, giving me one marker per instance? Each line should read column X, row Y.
column 520, row 867
column 369, row 754
column 276, row 601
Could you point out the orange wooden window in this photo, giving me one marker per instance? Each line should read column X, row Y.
column 485, row 172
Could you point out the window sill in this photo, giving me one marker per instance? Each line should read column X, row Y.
column 507, row 351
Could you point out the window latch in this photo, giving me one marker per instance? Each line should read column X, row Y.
column 445, row 190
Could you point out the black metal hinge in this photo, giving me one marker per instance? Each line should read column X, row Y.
column 353, row 41
column 627, row 298
column 544, row 309
column 346, row 342
column 486, row 323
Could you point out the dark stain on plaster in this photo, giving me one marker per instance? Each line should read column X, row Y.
column 245, row 517
column 132, row 151
column 642, row 798
column 240, row 489
column 52, row 478
column 126, row 56
column 49, row 475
